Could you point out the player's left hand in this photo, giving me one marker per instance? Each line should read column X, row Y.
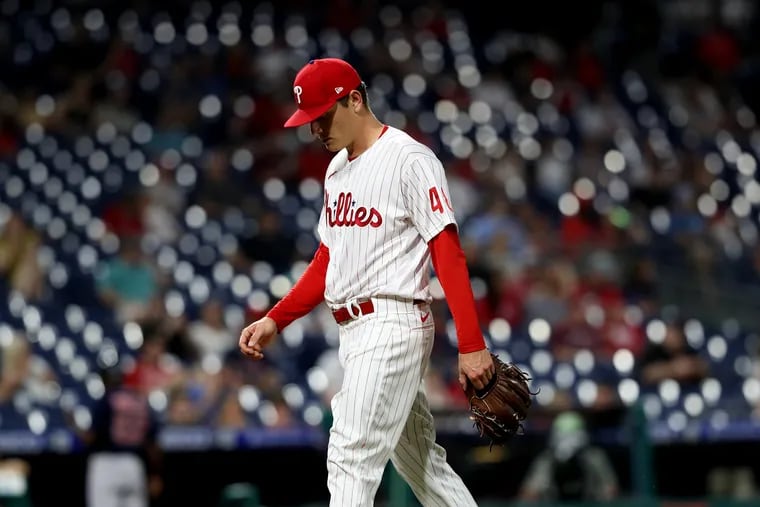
column 475, row 367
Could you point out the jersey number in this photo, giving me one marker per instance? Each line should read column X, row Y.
column 435, row 200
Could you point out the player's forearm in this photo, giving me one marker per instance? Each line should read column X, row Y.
column 451, row 267
column 307, row 293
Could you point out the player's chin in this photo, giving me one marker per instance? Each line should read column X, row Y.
column 331, row 145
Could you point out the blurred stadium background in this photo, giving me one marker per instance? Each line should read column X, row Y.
column 602, row 157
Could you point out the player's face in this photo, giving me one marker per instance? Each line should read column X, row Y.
column 331, row 129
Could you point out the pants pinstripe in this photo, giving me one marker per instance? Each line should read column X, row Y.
column 381, row 411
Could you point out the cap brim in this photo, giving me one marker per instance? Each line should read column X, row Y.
column 304, row 116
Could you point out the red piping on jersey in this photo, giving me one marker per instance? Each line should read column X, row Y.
column 307, row 293
column 385, row 127
column 451, row 267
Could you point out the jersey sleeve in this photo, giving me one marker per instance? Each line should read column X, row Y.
column 425, row 192
column 322, row 225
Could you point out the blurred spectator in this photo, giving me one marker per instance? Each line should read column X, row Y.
column 114, row 107
column 718, row 50
column 700, row 103
column 72, row 113
column 275, row 411
column 230, row 414
column 570, row 468
column 621, row 331
column 597, row 114
column 209, row 335
column 508, row 295
column 25, row 372
column 10, row 134
column 166, row 192
column 165, row 203
column 580, row 330
column 125, row 215
column 600, row 279
column 129, row 284
column 270, row 243
column 182, row 409
column 269, row 381
column 19, row 248
column 207, row 395
column 173, row 119
column 172, row 328
column 671, row 357
column 124, row 463
column 553, row 172
column 228, row 411
column 549, row 295
column 217, row 189
column 639, row 284
column 500, row 236
column 154, row 368
column 584, row 230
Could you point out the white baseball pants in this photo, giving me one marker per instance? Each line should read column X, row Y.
column 381, row 411
column 116, row 480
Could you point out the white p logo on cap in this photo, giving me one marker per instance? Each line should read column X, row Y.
column 297, row 91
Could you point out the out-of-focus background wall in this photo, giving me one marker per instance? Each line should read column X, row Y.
column 603, row 163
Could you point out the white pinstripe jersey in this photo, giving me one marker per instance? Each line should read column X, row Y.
column 380, row 210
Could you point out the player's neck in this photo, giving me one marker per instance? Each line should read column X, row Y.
column 369, row 134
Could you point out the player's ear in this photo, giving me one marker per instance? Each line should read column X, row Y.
column 355, row 100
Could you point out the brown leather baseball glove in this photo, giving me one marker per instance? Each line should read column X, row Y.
column 499, row 409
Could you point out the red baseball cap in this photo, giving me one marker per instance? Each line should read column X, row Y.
column 318, row 85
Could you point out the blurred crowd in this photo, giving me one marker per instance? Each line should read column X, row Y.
column 596, row 176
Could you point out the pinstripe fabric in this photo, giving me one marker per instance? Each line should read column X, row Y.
column 381, row 412
column 394, row 177
column 380, row 211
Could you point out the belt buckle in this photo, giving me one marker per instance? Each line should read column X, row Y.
column 354, row 305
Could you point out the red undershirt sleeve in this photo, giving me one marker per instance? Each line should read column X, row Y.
column 451, row 267
column 306, row 294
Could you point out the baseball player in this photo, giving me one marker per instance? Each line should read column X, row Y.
column 123, row 466
column 386, row 215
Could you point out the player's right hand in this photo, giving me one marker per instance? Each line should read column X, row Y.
column 256, row 336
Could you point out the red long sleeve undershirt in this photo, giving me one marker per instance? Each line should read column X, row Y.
column 450, row 266
column 306, row 294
